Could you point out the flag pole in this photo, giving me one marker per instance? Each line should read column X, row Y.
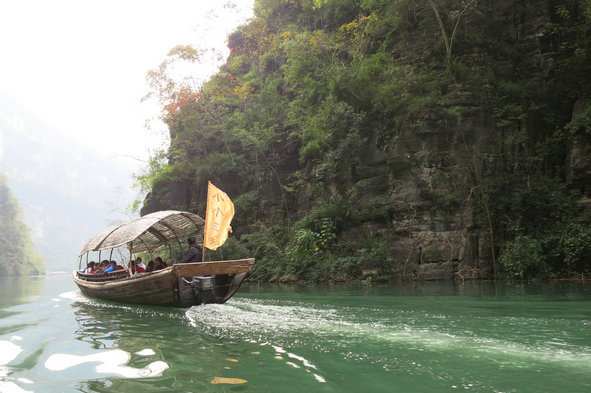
column 205, row 225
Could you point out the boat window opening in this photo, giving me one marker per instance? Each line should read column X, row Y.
column 180, row 253
column 120, row 254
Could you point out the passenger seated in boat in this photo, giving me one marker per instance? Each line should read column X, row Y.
column 140, row 265
column 90, row 267
column 150, row 267
column 102, row 267
column 134, row 268
column 109, row 268
column 159, row 264
column 194, row 253
column 112, row 267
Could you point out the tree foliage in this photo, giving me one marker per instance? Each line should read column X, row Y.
column 16, row 248
column 315, row 91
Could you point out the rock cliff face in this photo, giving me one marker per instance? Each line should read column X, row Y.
column 421, row 190
column 579, row 157
column 427, row 187
column 422, row 185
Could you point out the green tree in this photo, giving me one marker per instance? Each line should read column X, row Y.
column 16, row 248
column 327, row 110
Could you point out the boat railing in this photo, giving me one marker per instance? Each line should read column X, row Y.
column 101, row 277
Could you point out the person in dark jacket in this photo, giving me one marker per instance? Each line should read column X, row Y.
column 150, row 267
column 194, row 253
column 159, row 264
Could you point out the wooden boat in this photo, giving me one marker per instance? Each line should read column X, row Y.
column 179, row 285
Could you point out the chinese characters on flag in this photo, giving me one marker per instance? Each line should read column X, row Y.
column 218, row 216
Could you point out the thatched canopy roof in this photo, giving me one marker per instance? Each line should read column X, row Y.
column 149, row 232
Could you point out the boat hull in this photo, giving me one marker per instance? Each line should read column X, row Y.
column 180, row 285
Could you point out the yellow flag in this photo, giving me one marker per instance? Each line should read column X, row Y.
column 218, row 216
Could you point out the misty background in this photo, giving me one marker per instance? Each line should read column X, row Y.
column 67, row 191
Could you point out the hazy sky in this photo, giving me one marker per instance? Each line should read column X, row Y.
column 81, row 65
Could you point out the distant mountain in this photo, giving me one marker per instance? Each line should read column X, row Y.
column 67, row 192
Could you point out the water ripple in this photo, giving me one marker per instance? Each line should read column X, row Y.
column 329, row 329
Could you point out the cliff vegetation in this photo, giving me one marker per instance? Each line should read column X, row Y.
column 16, row 248
column 379, row 139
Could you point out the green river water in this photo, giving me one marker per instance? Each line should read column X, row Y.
column 402, row 337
